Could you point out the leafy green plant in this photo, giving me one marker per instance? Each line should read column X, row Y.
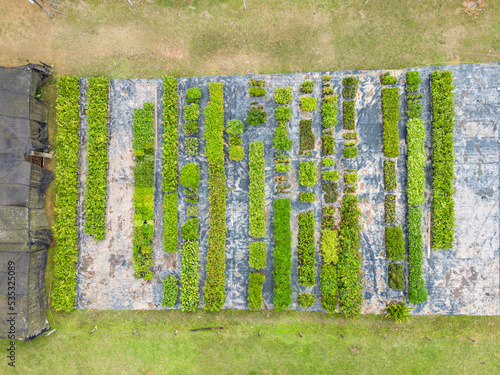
column 256, row 281
column 394, row 242
column 328, row 222
column 170, row 154
column 390, row 208
column 330, row 245
column 236, row 153
column 307, row 173
column 306, row 299
column 257, row 82
column 170, row 291
column 329, row 112
column 328, row 90
column 235, row 127
column 390, row 182
column 256, row 115
column 190, row 277
column 307, row 87
column 328, row 162
column 350, row 152
column 331, row 197
column 415, row 137
column 350, row 81
column 192, row 210
column 443, row 159
column 417, row 293
column 390, row 117
column 235, row 141
column 333, row 176
column 305, row 250
column 214, row 151
column 328, row 211
column 282, row 167
column 193, row 94
column 349, row 114
column 350, row 135
column 283, row 95
column 329, row 287
column 191, row 127
column 308, row 103
column 97, row 157
column 189, row 230
column 349, row 92
column 257, row 209
column 282, row 254
column 281, row 140
column 257, row 254
column 413, row 81
column 350, row 259
column 283, row 113
column 191, row 146
column 350, row 178
column 327, row 78
column 387, row 79
column 192, row 112
column 307, row 138
column 396, row 277
column 307, row 197
column 400, row 312
column 328, row 144
column 66, row 174
column 257, row 91
column 143, row 140
column 190, row 175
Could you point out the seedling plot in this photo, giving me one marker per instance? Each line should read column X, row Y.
column 463, row 280
column 105, row 273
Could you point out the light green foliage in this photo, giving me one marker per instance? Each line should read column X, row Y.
column 307, row 173
column 416, row 161
column 390, row 117
column 189, row 230
column 257, row 212
column 307, row 197
column 170, row 291
column 256, row 281
column 330, row 246
column 236, row 153
column 192, row 112
column 306, row 87
column 328, row 162
column 308, row 103
column 282, row 254
column 257, row 254
column 66, row 173
column 193, row 94
column 97, row 157
column 333, row 176
column 190, row 277
column 306, row 299
column 192, row 210
column 350, row 152
column 283, row 95
column 235, row 127
column 191, row 146
column 281, row 140
column 387, row 79
column 283, row 113
column 190, row 176
column 214, row 151
column 400, row 312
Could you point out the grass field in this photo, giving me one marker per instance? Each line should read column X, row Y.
column 151, row 39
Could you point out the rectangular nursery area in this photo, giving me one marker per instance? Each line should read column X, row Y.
column 326, row 191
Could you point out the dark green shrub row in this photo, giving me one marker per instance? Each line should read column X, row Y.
column 307, row 173
column 256, row 281
column 390, row 181
column 390, row 116
column 350, row 135
column 97, row 157
column 308, row 103
column 190, row 277
column 257, row 210
column 257, row 254
column 396, row 277
column 193, row 95
column 349, row 114
column 307, row 87
column 443, row 126
column 191, row 145
column 306, row 299
column 170, row 291
column 328, row 144
column 350, row 259
column 307, row 197
column 394, row 243
column 170, row 154
column 416, row 161
column 305, row 250
column 65, row 229
column 387, row 79
column 281, row 140
column 307, row 138
column 143, row 141
column 214, row 151
column 256, row 115
column 283, row 95
column 350, row 152
column 390, row 208
column 417, row 293
column 282, row 254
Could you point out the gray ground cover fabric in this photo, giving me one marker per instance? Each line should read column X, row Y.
column 464, row 280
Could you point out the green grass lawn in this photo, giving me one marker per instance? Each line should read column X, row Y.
column 329, row 345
